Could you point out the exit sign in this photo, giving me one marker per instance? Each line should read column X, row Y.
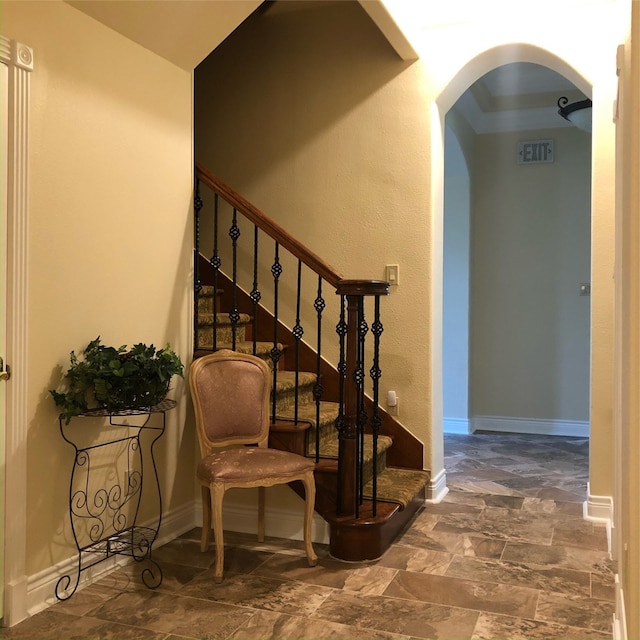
column 535, row 151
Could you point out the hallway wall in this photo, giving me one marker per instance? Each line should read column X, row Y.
column 110, row 184
column 530, row 247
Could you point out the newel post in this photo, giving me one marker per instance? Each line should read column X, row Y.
column 355, row 292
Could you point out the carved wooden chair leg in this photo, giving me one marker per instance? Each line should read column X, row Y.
column 206, row 518
column 217, row 496
column 261, row 500
column 310, row 498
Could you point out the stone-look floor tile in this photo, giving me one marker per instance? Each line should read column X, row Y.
column 573, row 509
column 205, row 620
column 464, row 497
column 585, row 535
column 481, row 474
column 490, row 627
column 496, row 522
column 398, row 616
column 367, row 578
column 467, row 594
column 266, row 625
column 453, row 543
column 170, row 613
column 129, row 578
column 417, row 560
column 585, row 613
column 183, row 551
column 603, row 587
column 87, row 599
column 566, row 581
column 452, row 507
column 50, row 624
column 295, row 598
column 485, row 486
column 541, row 556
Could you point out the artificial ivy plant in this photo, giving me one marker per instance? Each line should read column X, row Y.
column 116, row 379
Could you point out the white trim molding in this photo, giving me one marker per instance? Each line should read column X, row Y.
column 19, row 59
column 41, row 586
column 456, row 425
column 598, row 508
column 279, row 523
column 620, row 617
column 551, row 427
column 437, row 488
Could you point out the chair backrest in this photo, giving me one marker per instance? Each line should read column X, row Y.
column 230, row 393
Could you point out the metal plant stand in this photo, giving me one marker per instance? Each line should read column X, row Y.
column 105, row 492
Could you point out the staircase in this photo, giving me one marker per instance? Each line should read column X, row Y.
column 310, row 410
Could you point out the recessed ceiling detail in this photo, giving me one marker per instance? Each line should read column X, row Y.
column 519, row 96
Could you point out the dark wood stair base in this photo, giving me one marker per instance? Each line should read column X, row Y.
column 367, row 538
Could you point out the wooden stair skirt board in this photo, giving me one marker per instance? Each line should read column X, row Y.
column 401, row 494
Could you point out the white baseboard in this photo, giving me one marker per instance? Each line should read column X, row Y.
column 437, row 488
column 40, row 588
column 600, row 509
column 620, row 616
column 456, row 425
column 577, row 428
column 279, row 523
column 15, row 603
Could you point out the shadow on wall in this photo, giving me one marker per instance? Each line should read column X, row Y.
column 303, row 55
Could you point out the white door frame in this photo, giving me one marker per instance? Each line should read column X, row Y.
column 19, row 60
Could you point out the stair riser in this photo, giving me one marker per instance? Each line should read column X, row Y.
column 224, row 334
column 286, row 399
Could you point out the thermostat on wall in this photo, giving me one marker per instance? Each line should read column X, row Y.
column 535, row 151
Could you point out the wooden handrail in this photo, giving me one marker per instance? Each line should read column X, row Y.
column 271, row 228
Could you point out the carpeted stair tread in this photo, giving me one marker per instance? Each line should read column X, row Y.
column 329, row 448
column 398, row 485
column 206, row 319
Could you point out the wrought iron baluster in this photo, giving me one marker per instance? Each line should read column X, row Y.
column 197, row 284
column 298, row 332
column 318, row 389
column 234, row 315
column 255, row 294
column 216, row 263
column 276, row 272
column 341, row 330
column 362, row 414
column 376, row 374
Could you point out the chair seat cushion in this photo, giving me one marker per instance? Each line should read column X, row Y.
column 251, row 464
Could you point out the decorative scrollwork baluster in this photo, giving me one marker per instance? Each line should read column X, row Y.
column 340, row 423
column 298, row 332
column 276, row 272
column 197, row 284
column 234, row 315
column 255, row 294
column 216, row 263
column 318, row 390
column 359, row 376
column 376, row 374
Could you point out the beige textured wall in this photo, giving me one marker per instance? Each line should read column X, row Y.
column 340, row 141
column 530, row 247
column 109, row 237
column 329, row 138
column 627, row 496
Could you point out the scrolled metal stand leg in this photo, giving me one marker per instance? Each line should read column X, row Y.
column 152, row 576
column 63, row 584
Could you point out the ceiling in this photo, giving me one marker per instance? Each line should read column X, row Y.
column 519, row 96
column 514, row 97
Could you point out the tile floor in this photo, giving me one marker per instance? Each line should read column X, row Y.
column 505, row 555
